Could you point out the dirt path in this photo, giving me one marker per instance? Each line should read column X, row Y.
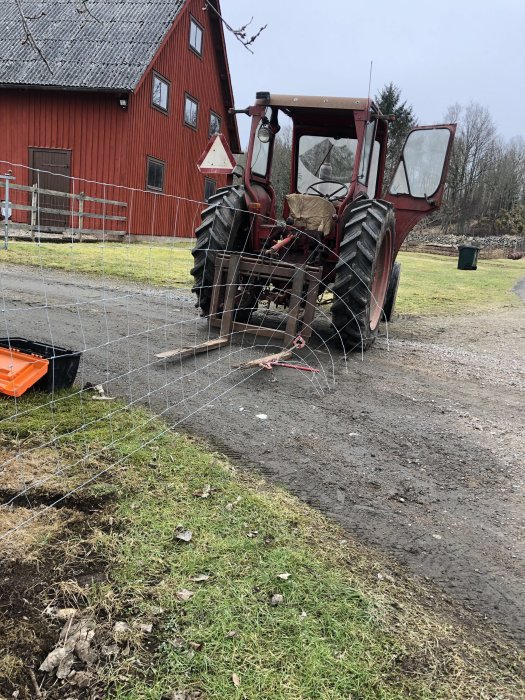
column 417, row 448
column 520, row 289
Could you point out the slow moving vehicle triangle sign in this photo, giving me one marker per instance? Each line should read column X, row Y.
column 217, row 157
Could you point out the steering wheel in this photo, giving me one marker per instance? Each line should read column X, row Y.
column 331, row 195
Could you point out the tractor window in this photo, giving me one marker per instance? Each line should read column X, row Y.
column 420, row 170
column 365, row 153
column 325, row 160
column 372, row 175
column 260, row 154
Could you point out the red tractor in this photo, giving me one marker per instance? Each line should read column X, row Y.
column 334, row 216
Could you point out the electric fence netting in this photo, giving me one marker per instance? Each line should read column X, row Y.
column 75, row 279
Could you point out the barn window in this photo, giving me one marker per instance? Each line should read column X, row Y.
column 191, row 111
column 196, row 33
column 215, row 123
column 210, row 187
column 155, row 174
column 160, row 93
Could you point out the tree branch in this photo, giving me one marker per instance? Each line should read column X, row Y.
column 240, row 34
column 29, row 38
column 81, row 7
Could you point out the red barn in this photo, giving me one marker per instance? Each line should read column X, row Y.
column 125, row 93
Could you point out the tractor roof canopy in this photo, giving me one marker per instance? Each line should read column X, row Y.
column 318, row 111
column 292, row 102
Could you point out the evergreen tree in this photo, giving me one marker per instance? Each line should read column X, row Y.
column 281, row 165
column 389, row 102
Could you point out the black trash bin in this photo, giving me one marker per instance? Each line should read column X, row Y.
column 63, row 363
column 468, row 257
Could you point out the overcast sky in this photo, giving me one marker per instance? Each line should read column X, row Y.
column 438, row 53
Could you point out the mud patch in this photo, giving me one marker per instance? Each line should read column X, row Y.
column 33, row 599
column 46, row 564
column 56, row 499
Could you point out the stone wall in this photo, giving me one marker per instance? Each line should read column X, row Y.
column 433, row 240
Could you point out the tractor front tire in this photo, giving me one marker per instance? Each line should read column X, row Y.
column 362, row 273
column 391, row 295
column 223, row 228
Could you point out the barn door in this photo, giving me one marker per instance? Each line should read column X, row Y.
column 51, row 168
column 419, row 179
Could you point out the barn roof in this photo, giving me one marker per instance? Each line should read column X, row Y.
column 88, row 44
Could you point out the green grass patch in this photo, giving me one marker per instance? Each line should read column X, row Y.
column 340, row 631
column 159, row 265
column 432, row 284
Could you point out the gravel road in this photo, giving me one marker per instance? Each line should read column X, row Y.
column 416, row 448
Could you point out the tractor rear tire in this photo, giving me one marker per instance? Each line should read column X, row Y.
column 362, row 273
column 391, row 295
column 223, row 228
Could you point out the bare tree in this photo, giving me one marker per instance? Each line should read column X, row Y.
column 474, row 155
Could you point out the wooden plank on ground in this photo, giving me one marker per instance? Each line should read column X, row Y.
column 194, row 349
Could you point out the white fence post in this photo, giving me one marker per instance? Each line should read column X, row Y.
column 81, row 197
column 6, row 209
column 34, row 208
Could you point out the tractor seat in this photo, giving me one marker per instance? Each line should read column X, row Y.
column 311, row 212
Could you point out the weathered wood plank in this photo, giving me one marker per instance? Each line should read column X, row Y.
column 194, row 349
column 57, row 193
column 258, row 330
column 68, row 212
column 231, row 289
column 68, row 231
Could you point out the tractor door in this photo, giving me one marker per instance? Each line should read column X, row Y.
column 417, row 187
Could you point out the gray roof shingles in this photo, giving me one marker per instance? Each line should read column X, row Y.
column 107, row 48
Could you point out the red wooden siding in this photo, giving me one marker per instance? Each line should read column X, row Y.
column 166, row 137
column 110, row 145
column 90, row 125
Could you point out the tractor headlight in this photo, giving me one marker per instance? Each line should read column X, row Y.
column 264, row 134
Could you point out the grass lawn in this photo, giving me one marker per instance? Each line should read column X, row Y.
column 430, row 284
column 347, row 624
column 159, row 265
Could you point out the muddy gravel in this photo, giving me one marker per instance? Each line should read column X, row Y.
column 416, row 448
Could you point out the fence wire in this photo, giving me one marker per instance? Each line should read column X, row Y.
column 120, row 303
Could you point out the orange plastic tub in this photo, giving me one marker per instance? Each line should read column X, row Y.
column 19, row 371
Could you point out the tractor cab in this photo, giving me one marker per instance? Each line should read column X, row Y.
column 338, row 151
column 338, row 154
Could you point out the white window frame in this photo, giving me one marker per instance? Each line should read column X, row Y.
column 196, row 38
column 157, row 161
column 195, row 103
column 219, row 120
column 158, row 79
